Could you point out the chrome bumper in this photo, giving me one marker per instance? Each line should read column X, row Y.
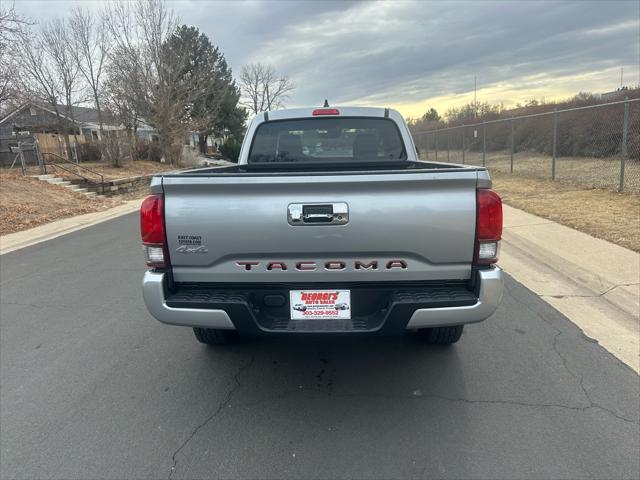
column 491, row 286
column 154, row 299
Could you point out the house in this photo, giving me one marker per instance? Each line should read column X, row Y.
column 37, row 121
column 41, row 118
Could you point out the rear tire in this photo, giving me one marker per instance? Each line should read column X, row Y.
column 441, row 335
column 211, row 336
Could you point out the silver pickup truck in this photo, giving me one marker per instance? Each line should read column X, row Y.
column 328, row 224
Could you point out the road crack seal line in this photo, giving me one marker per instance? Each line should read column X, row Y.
column 225, row 401
column 577, row 377
column 431, row 396
column 471, row 401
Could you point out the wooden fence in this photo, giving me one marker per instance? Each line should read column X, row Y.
column 54, row 143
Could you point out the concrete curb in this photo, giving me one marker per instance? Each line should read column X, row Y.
column 596, row 284
column 26, row 238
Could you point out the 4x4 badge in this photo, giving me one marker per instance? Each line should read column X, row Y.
column 192, row 249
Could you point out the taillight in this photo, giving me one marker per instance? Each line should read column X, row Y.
column 488, row 227
column 325, row 111
column 152, row 231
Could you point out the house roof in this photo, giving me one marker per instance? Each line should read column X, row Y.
column 90, row 115
column 82, row 115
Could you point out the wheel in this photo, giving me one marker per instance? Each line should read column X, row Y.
column 211, row 336
column 441, row 335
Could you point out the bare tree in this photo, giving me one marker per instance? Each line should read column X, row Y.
column 90, row 44
column 165, row 91
column 12, row 28
column 125, row 93
column 263, row 89
column 128, row 79
column 56, row 43
column 40, row 81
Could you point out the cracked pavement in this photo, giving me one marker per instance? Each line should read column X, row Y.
column 93, row 387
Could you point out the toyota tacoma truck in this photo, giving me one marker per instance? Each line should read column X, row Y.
column 328, row 224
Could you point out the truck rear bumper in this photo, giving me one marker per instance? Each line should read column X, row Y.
column 406, row 315
column 491, row 285
column 154, row 294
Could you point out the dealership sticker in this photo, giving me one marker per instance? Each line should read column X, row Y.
column 317, row 304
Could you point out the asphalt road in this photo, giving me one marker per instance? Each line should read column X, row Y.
column 93, row 387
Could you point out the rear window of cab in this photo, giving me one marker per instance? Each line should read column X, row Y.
column 335, row 139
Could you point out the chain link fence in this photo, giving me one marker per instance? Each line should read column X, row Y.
column 594, row 147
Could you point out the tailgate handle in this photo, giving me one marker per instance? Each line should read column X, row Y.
column 317, row 217
column 318, row 213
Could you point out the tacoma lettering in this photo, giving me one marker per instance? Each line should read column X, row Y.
column 331, row 265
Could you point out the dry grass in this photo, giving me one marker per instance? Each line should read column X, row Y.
column 129, row 169
column 604, row 214
column 586, row 172
column 27, row 202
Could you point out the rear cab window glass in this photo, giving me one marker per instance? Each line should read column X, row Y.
column 327, row 139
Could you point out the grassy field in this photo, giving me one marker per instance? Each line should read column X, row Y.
column 605, row 214
column 584, row 195
column 588, row 172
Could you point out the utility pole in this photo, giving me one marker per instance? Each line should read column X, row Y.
column 621, row 76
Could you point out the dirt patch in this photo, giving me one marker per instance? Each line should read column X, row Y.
column 27, row 202
column 608, row 215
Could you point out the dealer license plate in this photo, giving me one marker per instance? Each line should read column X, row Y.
column 318, row 304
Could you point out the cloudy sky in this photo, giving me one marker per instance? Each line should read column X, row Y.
column 414, row 55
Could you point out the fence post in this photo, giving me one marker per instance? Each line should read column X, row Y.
column 435, row 141
column 448, row 145
column 463, row 145
column 555, row 139
column 484, row 144
column 512, row 147
column 426, row 147
column 625, row 131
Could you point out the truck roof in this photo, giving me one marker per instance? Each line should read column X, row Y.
column 345, row 111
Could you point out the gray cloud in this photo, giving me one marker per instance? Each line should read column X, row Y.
column 407, row 52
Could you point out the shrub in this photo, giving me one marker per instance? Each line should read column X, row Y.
column 89, row 152
column 230, row 149
column 146, row 150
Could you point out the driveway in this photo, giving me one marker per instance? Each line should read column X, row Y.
column 93, row 387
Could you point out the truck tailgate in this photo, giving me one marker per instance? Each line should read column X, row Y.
column 403, row 226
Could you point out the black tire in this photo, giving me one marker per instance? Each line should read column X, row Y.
column 441, row 335
column 210, row 336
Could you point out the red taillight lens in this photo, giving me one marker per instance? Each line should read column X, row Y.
column 325, row 111
column 152, row 220
column 488, row 226
column 152, row 231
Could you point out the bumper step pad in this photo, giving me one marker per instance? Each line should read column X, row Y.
column 384, row 308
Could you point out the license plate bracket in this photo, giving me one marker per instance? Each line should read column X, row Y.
column 327, row 304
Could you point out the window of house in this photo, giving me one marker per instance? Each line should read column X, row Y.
column 33, row 112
